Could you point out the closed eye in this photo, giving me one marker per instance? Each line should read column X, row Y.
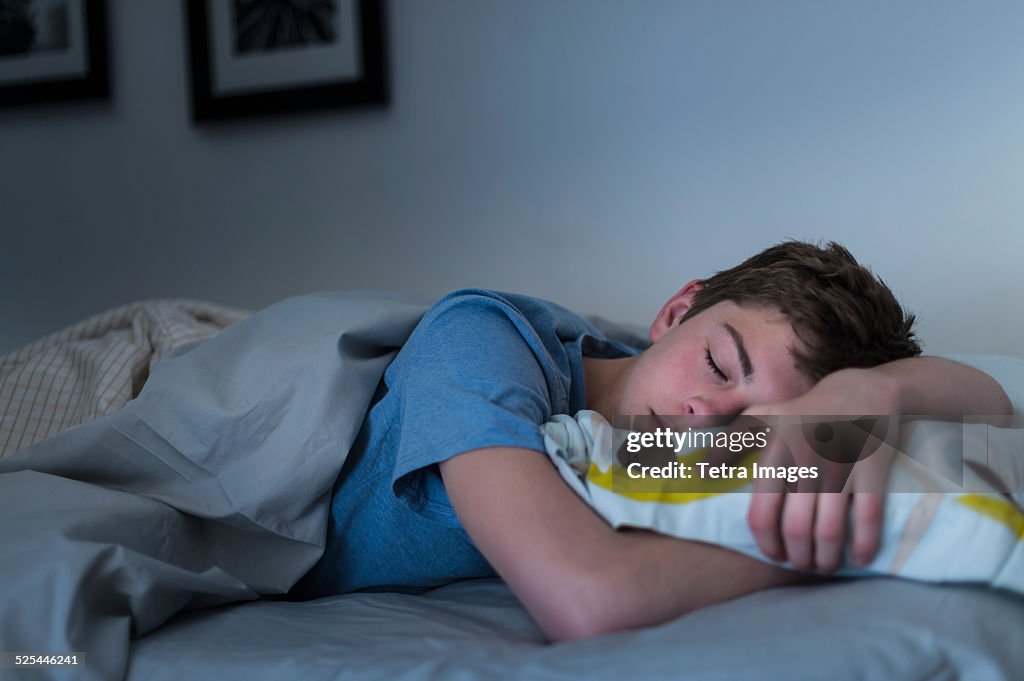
column 714, row 367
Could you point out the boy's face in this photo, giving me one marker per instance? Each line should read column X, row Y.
column 720, row 362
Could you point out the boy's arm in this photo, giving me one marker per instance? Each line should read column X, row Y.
column 576, row 575
column 808, row 529
column 942, row 387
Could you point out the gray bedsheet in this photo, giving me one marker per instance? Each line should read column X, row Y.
column 211, row 487
column 158, row 540
column 877, row 629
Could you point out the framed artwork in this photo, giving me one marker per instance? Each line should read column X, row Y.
column 255, row 57
column 52, row 50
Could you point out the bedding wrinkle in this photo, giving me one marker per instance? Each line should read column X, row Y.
column 94, row 367
column 159, row 562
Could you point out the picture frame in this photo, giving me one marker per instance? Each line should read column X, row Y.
column 53, row 50
column 260, row 57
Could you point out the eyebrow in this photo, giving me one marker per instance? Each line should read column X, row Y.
column 741, row 350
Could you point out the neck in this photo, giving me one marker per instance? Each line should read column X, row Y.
column 603, row 383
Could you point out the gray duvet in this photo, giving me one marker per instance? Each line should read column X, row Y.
column 159, row 541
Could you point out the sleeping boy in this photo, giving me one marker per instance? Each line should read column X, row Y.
column 448, row 478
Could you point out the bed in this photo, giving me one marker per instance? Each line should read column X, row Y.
column 145, row 548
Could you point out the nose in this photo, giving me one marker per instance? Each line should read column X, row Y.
column 719, row 404
column 694, row 407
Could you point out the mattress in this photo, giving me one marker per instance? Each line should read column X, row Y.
column 245, row 626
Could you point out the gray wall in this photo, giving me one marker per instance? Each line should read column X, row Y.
column 595, row 152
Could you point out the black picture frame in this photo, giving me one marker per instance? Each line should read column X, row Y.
column 367, row 87
column 32, row 77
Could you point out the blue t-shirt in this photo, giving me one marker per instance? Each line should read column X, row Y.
column 481, row 369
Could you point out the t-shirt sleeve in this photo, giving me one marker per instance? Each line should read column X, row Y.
column 474, row 374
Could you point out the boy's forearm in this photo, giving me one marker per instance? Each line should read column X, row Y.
column 941, row 387
column 652, row 578
column 576, row 575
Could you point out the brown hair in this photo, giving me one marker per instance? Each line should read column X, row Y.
column 844, row 314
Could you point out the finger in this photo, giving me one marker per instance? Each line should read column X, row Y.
column 809, row 484
column 832, row 477
column 775, row 453
column 867, row 526
column 763, row 517
column 830, row 531
column 798, row 529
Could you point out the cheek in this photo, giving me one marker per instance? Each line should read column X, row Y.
column 664, row 380
column 679, row 369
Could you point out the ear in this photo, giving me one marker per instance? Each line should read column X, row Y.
column 673, row 310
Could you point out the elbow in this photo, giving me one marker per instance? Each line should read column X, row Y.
column 576, row 626
column 1001, row 412
column 564, row 632
column 584, row 624
column 1007, row 405
column 594, row 610
column 1001, row 404
column 573, row 616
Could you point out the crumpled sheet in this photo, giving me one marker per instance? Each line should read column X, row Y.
column 150, row 543
column 211, row 487
column 92, row 368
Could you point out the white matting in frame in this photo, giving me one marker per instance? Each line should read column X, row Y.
column 52, row 64
column 233, row 73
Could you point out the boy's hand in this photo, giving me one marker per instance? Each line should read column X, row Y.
column 808, row 527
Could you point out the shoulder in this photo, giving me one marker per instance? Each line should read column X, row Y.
column 478, row 333
column 487, row 342
column 485, row 303
column 470, row 305
column 466, row 319
column 471, row 318
column 536, row 320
